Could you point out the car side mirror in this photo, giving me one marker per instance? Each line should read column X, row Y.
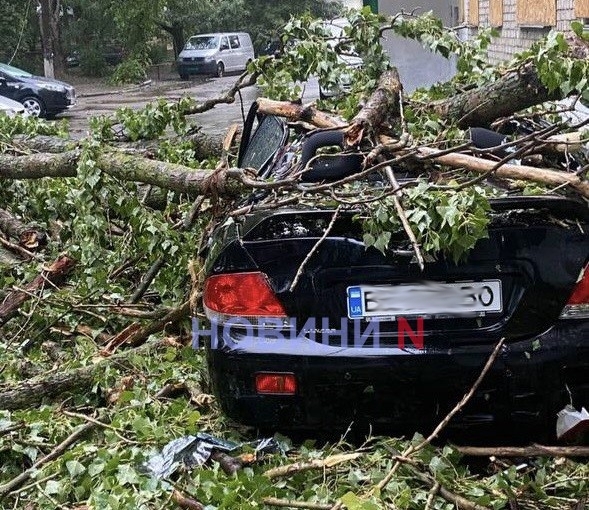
column 224, row 47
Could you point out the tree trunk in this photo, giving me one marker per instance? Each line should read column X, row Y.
column 176, row 30
column 514, row 91
column 53, row 62
column 32, row 393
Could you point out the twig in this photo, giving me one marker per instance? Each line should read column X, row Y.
column 89, row 419
column 147, row 279
column 299, row 467
column 403, row 217
column 389, row 476
column 285, row 503
column 432, row 496
column 468, row 395
column 23, row 252
column 456, row 499
column 59, row 450
column 314, row 249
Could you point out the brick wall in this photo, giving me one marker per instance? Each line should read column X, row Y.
column 513, row 37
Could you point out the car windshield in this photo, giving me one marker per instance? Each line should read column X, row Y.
column 208, row 42
column 15, row 72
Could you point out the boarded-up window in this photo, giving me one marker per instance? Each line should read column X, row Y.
column 582, row 8
column 473, row 12
column 496, row 13
column 536, row 12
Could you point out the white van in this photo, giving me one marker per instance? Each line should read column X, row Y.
column 215, row 54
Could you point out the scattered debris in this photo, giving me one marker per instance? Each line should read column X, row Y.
column 193, row 451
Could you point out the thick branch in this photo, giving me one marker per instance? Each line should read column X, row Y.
column 31, row 393
column 536, row 450
column 382, row 104
column 27, row 236
column 298, row 112
column 514, row 91
column 553, row 178
column 35, row 166
column 54, row 274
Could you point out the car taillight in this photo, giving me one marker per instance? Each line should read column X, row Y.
column 240, row 295
column 577, row 306
column 276, row 383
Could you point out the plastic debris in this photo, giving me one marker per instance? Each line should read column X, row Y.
column 571, row 424
column 193, row 451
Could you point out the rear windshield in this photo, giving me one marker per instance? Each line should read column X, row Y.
column 202, row 42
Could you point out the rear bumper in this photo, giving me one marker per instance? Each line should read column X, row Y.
column 407, row 390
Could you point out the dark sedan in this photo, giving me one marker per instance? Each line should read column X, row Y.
column 367, row 337
column 41, row 97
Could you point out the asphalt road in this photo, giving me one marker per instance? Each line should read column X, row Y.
column 96, row 99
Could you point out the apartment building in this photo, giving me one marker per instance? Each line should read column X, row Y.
column 521, row 22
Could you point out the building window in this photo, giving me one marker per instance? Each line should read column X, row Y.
column 496, row 13
column 473, row 12
column 536, row 13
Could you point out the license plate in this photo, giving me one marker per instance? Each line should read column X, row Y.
column 425, row 298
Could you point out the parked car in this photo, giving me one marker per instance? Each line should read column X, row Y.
column 11, row 108
column 41, row 97
column 112, row 55
column 215, row 54
column 307, row 358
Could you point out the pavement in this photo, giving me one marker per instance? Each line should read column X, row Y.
column 95, row 98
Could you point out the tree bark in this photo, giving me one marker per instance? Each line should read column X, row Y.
column 204, row 145
column 53, row 61
column 54, row 274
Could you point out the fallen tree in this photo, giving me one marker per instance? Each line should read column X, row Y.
column 135, row 265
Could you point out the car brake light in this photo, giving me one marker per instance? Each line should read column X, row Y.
column 577, row 306
column 276, row 383
column 240, row 295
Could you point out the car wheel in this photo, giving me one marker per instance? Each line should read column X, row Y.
column 34, row 106
column 220, row 70
column 184, row 76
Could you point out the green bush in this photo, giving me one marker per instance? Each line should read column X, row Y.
column 158, row 53
column 129, row 71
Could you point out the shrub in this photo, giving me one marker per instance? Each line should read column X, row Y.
column 131, row 70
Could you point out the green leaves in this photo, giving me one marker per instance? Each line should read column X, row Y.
column 445, row 222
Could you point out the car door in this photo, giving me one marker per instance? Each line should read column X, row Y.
column 225, row 54
column 236, row 52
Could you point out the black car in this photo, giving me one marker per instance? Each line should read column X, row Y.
column 41, row 97
column 369, row 338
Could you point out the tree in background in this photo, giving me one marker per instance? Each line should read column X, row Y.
column 19, row 29
column 88, row 27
